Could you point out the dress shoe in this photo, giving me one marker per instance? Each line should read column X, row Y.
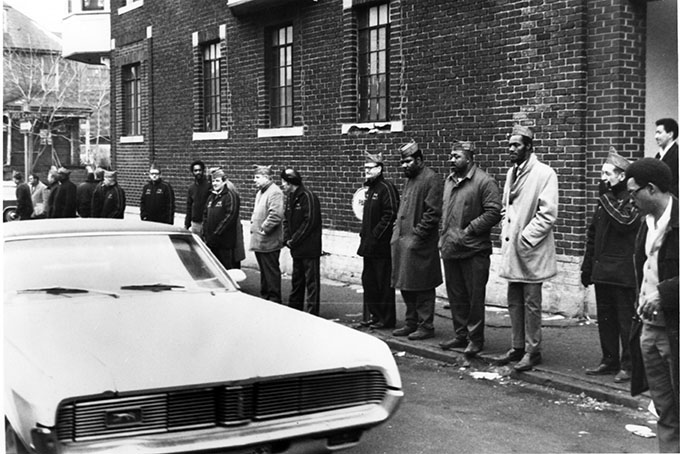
column 472, row 349
column 456, row 342
column 367, row 323
column 528, row 361
column 421, row 334
column 622, row 377
column 602, row 369
column 514, row 354
column 403, row 331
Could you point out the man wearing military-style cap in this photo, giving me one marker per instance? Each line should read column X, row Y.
column 528, row 257
column 379, row 213
column 108, row 200
column 266, row 232
column 472, row 206
column 416, row 270
column 608, row 264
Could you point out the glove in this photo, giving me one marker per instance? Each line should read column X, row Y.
column 585, row 279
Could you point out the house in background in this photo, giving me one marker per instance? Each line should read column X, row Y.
column 55, row 111
column 315, row 84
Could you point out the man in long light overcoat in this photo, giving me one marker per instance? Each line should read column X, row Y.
column 416, row 270
column 530, row 201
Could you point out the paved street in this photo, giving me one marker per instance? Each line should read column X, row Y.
column 447, row 410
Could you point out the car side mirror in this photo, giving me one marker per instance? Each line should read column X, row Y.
column 236, row 275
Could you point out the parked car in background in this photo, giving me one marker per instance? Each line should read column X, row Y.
column 9, row 201
column 129, row 336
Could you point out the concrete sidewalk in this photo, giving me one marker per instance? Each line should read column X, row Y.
column 570, row 346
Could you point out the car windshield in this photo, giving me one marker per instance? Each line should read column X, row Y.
column 112, row 264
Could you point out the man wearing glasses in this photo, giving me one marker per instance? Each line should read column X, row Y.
column 656, row 262
column 379, row 213
column 158, row 199
column 197, row 196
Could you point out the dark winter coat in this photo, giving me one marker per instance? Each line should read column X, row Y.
column 668, row 268
column 157, row 203
column 611, row 240
column 415, row 256
column 302, row 224
column 24, row 201
column 471, row 208
column 84, row 193
column 65, row 200
column 108, row 202
column 221, row 219
column 197, row 196
column 380, row 211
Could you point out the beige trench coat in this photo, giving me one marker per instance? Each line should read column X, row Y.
column 529, row 214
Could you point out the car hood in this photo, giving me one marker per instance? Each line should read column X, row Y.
column 64, row 346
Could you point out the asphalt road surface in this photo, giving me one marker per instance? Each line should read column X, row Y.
column 446, row 410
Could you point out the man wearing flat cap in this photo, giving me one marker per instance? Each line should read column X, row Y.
column 472, row 206
column 607, row 263
column 108, row 200
column 302, row 235
column 528, row 257
column 266, row 232
column 379, row 213
column 64, row 198
column 221, row 220
column 416, row 270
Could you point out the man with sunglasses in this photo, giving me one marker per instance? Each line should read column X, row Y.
column 157, row 203
column 197, row 196
column 656, row 263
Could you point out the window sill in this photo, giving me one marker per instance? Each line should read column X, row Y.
column 295, row 131
column 212, row 135
column 372, row 128
column 133, row 5
column 132, row 139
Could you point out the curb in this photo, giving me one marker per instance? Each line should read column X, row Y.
column 537, row 376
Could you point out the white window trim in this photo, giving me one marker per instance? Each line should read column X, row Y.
column 134, row 4
column 211, row 135
column 132, row 139
column 294, row 131
column 372, row 127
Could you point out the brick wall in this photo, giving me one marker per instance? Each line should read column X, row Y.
column 573, row 70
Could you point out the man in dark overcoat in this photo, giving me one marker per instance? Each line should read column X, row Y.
column 416, row 270
column 607, row 264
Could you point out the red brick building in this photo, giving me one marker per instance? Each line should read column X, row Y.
column 313, row 84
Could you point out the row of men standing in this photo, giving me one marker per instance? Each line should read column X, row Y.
column 98, row 196
column 402, row 244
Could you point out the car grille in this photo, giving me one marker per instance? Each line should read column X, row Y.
column 223, row 405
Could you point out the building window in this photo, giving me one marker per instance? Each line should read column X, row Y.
column 281, row 77
column 132, row 100
column 374, row 35
column 92, row 5
column 212, row 58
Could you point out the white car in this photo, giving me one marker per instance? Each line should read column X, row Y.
column 129, row 337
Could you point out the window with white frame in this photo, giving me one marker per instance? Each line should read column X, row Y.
column 374, row 38
column 281, row 77
column 132, row 100
column 212, row 100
